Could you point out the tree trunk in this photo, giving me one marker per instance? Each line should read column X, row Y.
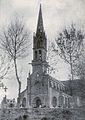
column 71, row 66
column 19, row 82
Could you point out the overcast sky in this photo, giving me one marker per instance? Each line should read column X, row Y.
column 56, row 14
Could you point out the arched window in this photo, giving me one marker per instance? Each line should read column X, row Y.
column 69, row 101
column 61, row 101
column 39, row 51
column 40, row 54
column 24, row 102
column 35, row 54
column 54, row 101
column 66, row 102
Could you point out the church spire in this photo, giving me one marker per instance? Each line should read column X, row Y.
column 40, row 27
column 39, row 46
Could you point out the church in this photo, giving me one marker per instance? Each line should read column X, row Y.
column 44, row 97
column 43, row 90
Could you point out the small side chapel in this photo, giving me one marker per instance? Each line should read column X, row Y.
column 43, row 90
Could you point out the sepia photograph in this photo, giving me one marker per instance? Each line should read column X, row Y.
column 42, row 58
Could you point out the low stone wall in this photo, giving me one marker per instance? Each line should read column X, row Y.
column 42, row 114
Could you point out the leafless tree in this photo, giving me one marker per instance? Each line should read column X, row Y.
column 5, row 65
column 69, row 46
column 80, row 72
column 51, row 59
column 14, row 42
column 81, row 67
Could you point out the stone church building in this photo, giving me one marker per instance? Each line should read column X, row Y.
column 43, row 90
column 44, row 97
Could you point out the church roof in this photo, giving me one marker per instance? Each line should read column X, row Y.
column 77, row 85
column 23, row 92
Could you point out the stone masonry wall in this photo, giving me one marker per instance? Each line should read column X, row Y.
column 42, row 114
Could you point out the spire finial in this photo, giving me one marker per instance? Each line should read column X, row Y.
column 40, row 4
column 40, row 21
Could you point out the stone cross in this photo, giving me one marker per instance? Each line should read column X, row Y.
column 5, row 89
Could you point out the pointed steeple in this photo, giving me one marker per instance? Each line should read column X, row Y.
column 40, row 27
column 39, row 46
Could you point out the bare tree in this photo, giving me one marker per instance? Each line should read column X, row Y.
column 14, row 42
column 80, row 72
column 51, row 59
column 81, row 67
column 70, row 44
column 5, row 65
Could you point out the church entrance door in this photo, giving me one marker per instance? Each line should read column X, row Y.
column 38, row 102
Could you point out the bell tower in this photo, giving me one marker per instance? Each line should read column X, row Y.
column 39, row 63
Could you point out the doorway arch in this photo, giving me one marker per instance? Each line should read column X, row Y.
column 37, row 102
column 44, row 118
